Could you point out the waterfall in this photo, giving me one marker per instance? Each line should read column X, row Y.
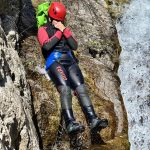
column 134, row 71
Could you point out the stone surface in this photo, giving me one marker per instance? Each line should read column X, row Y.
column 104, row 83
column 116, row 7
column 16, row 124
column 93, row 27
column 98, row 54
column 17, row 130
column 134, row 71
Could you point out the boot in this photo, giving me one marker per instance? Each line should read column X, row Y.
column 95, row 123
column 71, row 125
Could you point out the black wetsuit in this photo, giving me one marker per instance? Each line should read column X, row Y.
column 63, row 69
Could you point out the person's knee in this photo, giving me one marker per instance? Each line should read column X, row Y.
column 65, row 97
column 81, row 89
column 64, row 90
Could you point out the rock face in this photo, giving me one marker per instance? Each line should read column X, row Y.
column 16, row 124
column 134, row 71
column 17, row 130
column 93, row 27
column 9, row 13
column 98, row 54
column 18, row 15
column 116, row 7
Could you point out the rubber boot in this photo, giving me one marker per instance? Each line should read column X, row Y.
column 95, row 123
column 71, row 125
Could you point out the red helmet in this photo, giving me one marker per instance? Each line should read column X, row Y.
column 57, row 11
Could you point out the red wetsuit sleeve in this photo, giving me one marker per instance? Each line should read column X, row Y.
column 46, row 42
column 70, row 39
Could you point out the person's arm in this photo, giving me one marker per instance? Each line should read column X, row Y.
column 67, row 33
column 46, row 42
column 70, row 39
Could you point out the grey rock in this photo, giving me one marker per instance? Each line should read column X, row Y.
column 16, row 124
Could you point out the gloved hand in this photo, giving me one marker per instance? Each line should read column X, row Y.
column 59, row 25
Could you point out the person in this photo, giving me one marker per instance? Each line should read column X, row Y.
column 58, row 43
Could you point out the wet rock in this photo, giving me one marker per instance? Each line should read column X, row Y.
column 98, row 54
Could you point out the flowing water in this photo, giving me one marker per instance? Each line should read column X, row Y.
column 134, row 71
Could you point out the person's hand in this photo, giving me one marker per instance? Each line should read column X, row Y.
column 58, row 25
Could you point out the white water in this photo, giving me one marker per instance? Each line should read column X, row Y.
column 134, row 71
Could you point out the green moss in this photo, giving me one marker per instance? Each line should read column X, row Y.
column 115, row 7
column 98, row 47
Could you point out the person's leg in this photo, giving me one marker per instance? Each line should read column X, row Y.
column 59, row 76
column 77, row 83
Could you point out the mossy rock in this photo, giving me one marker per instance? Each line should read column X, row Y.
column 116, row 7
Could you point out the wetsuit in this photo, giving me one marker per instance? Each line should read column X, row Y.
column 62, row 67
